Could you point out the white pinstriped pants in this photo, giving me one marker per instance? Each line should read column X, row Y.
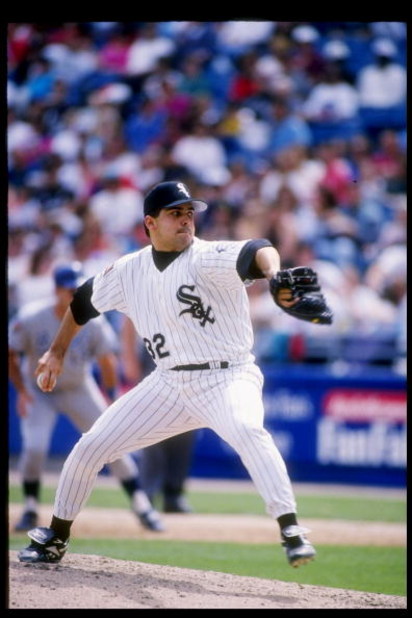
column 166, row 403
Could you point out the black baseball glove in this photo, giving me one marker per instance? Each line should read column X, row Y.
column 301, row 284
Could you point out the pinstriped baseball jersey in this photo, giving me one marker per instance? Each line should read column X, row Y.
column 184, row 313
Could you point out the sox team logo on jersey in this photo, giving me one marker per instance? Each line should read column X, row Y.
column 196, row 307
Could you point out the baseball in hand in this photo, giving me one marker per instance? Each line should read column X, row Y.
column 42, row 377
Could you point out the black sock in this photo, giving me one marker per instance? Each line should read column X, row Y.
column 61, row 527
column 172, row 491
column 130, row 486
column 289, row 519
column 32, row 489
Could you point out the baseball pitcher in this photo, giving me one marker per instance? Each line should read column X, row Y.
column 187, row 300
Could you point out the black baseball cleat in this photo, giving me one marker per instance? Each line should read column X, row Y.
column 45, row 547
column 28, row 520
column 151, row 520
column 298, row 549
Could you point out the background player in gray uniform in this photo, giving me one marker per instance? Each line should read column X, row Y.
column 187, row 300
column 77, row 394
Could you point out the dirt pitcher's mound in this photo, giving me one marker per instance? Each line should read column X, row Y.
column 93, row 522
column 95, row 582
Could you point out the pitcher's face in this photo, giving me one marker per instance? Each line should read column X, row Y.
column 173, row 229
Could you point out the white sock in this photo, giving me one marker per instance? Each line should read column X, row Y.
column 141, row 502
column 31, row 504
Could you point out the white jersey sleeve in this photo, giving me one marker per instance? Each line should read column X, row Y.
column 108, row 292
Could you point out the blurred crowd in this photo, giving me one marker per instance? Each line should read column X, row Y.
column 292, row 131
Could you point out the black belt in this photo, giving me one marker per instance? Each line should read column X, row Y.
column 211, row 365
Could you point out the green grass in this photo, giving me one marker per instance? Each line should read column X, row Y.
column 371, row 569
column 323, row 505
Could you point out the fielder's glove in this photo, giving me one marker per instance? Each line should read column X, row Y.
column 301, row 284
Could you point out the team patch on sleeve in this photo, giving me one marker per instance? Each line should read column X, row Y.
column 108, row 269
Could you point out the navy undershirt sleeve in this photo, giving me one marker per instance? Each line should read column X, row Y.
column 246, row 265
column 81, row 305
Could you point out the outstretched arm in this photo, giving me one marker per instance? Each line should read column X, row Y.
column 267, row 259
column 51, row 363
column 78, row 313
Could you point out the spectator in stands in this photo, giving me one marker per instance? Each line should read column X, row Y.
column 200, row 151
column 292, row 166
column 287, row 127
column 125, row 161
column 169, row 168
column 114, row 51
column 23, row 210
column 117, row 206
column 337, row 51
column 282, row 224
column 35, row 283
column 194, row 79
column 93, row 247
column 24, row 146
column 305, row 64
column 176, row 104
column 394, row 231
column 384, row 313
column 369, row 214
column 49, row 189
column 192, row 37
column 145, row 126
column 245, row 83
column 387, row 273
column 74, row 57
column 338, row 172
column 332, row 106
column 382, row 84
column 237, row 37
column 271, row 71
column 40, row 80
column 359, row 149
column 389, row 160
column 144, row 52
column 241, row 186
column 164, row 70
column 337, row 235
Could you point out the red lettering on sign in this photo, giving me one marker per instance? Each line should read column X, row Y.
column 365, row 405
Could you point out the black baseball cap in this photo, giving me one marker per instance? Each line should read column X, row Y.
column 168, row 195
